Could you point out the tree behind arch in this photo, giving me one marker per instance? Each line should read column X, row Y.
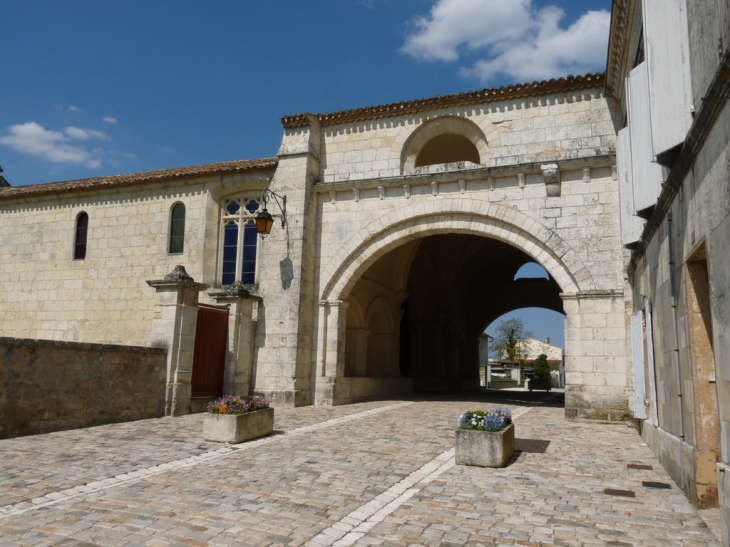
column 510, row 339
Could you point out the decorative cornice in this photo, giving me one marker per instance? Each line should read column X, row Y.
column 716, row 100
column 534, row 89
column 622, row 14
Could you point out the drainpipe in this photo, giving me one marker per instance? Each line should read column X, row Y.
column 675, row 353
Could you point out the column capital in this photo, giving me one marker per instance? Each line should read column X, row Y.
column 178, row 278
column 235, row 291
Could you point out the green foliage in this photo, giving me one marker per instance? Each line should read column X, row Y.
column 541, row 368
column 509, row 339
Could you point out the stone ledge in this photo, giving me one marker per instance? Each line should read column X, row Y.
column 532, row 168
column 62, row 344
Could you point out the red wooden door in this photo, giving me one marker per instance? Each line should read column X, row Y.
column 209, row 359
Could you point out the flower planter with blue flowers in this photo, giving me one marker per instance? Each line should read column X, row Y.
column 485, row 438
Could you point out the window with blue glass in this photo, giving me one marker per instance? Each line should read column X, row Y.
column 240, row 241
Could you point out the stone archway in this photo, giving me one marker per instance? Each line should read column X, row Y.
column 453, row 215
column 411, row 223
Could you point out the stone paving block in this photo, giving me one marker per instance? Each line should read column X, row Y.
column 350, row 468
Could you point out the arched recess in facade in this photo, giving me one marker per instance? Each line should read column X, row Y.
column 454, row 216
column 411, row 140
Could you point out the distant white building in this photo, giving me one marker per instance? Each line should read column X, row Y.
column 535, row 348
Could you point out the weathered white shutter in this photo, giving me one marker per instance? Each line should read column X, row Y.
column 631, row 226
column 725, row 23
column 637, row 340
column 646, row 176
column 650, row 359
column 666, row 42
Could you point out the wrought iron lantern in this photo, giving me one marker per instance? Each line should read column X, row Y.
column 265, row 220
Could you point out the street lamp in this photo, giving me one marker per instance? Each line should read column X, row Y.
column 264, row 220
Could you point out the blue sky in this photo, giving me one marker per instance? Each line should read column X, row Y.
column 92, row 88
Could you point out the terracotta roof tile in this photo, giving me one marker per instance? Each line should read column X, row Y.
column 138, row 178
column 534, row 89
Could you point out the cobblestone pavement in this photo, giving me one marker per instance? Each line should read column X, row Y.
column 378, row 473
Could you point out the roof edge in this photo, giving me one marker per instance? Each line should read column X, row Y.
column 158, row 175
column 533, row 89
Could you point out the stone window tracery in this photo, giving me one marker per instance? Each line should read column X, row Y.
column 240, row 240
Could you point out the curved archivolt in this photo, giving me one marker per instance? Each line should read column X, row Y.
column 488, row 219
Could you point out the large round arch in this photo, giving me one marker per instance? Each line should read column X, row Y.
column 476, row 217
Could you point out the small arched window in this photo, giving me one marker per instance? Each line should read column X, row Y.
column 82, row 228
column 177, row 229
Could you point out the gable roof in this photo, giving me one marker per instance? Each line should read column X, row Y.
column 158, row 175
column 534, row 89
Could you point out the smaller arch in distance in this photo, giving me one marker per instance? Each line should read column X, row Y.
column 176, row 244
column 531, row 270
column 81, row 235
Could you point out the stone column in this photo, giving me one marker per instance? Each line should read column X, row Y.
column 287, row 255
column 176, row 317
column 596, row 364
column 332, row 357
column 241, row 326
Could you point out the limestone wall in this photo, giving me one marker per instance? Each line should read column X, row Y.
column 700, row 220
column 51, row 386
column 46, row 294
column 560, row 126
column 575, row 236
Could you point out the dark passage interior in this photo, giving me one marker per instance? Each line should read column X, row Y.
column 419, row 310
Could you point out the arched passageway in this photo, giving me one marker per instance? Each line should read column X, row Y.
column 414, row 317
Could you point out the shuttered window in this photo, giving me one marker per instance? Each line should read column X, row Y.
column 666, row 41
column 631, row 226
column 646, row 176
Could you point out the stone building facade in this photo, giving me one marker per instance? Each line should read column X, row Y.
column 405, row 225
column 668, row 68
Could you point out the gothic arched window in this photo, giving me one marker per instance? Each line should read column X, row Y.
column 240, row 240
column 82, row 228
column 177, row 229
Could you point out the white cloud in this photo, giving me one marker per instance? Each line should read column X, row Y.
column 109, row 119
column 32, row 138
column 518, row 40
column 73, row 108
column 84, row 134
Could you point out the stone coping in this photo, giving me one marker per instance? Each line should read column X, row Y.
column 63, row 344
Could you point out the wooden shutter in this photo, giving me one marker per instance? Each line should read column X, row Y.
column 637, row 340
column 646, row 176
column 631, row 225
column 666, row 42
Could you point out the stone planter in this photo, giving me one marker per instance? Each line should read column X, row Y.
column 485, row 448
column 237, row 428
column 540, row 384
